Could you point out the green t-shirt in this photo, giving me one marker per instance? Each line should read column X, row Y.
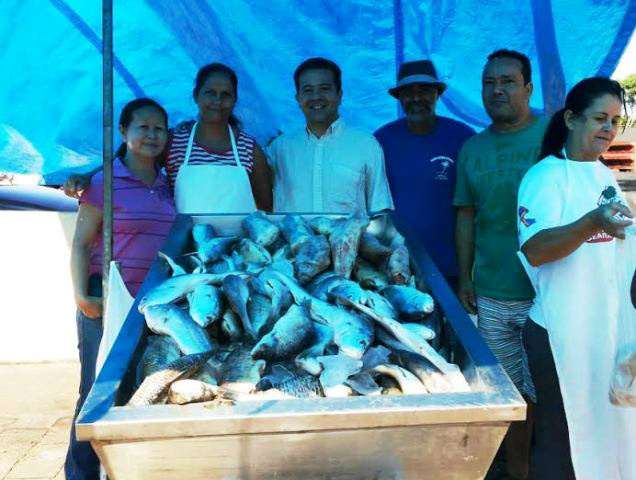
column 489, row 170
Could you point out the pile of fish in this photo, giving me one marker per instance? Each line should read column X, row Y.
column 299, row 309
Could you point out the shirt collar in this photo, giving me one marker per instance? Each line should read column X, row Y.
column 120, row 170
column 334, row 129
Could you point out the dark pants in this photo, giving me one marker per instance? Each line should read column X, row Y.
column 550, row 457
column 81, row 462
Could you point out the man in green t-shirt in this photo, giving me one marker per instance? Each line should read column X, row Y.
column 492, row 282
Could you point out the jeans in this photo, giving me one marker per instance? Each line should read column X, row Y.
column 81, row 461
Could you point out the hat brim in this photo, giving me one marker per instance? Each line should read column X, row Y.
column 395, row 91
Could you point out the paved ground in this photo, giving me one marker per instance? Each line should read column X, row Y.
column 36, row 408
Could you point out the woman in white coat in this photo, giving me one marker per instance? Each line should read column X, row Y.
column 572, row 215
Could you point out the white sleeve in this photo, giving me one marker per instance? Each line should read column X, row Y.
column 377, row 188
column 540, row 202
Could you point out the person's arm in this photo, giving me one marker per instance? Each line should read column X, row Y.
column 260, row 180
column 76, row 183
column 89, row 220
column 558, row 242
column 465, row 248
column 377, row 191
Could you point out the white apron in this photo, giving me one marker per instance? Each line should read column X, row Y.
column 204, row 189
column 580, row 307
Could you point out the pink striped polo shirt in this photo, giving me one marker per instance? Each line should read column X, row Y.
column 201, row 155
column 142, row 217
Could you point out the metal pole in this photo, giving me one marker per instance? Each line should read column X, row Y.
column 107, row 68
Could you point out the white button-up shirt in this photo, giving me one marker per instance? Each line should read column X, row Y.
column 341, row 172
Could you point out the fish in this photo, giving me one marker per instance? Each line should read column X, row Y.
column 253, row 253
column 313, row 257
column 352, row 333
column 324, row 225
column 224, row 265
column 409, row 383
column 321, row 290
column 176, row 269
column 160, row 350
column 344, row 241
column 306, row 386
column 364, row 384
column 372, row 249
column 398, row 266
column 259, row 309
column 214, row 248
column 290, row 335
column 409, row 301
column 283, row 266
column 260, row 229
column 240, row 371
column 282, row 253
column 155, row 385
column 381, row 305
column 268, row 284
column 336, row 369
column 414, row 342
column 385, row 338
column 347, row 289
column 375, row 356
column 189, row 390
column 434, row 380
column 171, row 320
column 296, row 231
column 237, row 294
column 307, row 360
column 206, row 304
column 318, row 279
column 422, row 330
column 209, row 373
column 201, row 233
column 368, row 276
column 177, row 287
column 231, row 326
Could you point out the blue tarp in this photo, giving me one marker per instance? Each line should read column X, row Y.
column 51, row 93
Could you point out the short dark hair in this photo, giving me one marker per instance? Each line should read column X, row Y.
column 526, row 69
column 126, row 116
column 207, row 70
column 578, row 99
column 318, row 63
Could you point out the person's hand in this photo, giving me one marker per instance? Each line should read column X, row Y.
column 75, row 185
column 466, row 295
column 90, row 306
column 604, row 217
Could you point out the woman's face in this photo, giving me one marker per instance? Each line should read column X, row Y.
column 147, row 134
column 216, row 98
column 592, row 131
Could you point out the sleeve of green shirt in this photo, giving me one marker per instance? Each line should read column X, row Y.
column 464, row 196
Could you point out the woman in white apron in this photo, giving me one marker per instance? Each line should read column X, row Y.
column 212, row 165
column 572, row 216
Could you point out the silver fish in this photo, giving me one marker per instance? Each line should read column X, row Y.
column 283, row 266
column 414, row 342
column 409, row 301
column 347, row 289
column 158, row 383
column 171, row 320
column 372, row 249
column 368, row 276
column 206, row 304
column 364, row 384
column 422, row 330
column 175, row 288
column 260, row 229
column 434, row 380
column 381, row 305
column 321, row 290
column 313, row 257
column 214, row 248
column 352, row 333
column 296, row 387
column 176, row 269
column 375, row 356
column 160, row 350
column 307, row 360
column 282, row 253
column 189, row 390
column 398, row 268
column 290, row 335
column 337, row 369
column 210, row 372
column 240, row 371
column 201, row 233
column 344, row 241
column 253, row 253
column 231, row 325
column 237, row 294
column 385, row 338
column 224, row 264
column 409, row 383
column 259, row 309
column 296, row 231
column 318, row 279
column 270, row 285
column 324, row 225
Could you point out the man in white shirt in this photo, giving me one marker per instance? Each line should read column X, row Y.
column 328, row 166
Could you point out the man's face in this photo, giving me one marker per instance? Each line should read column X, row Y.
column 418, row 102
column 505, row 96
column 318, row 96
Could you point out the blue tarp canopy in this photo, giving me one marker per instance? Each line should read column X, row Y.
column 51, row 94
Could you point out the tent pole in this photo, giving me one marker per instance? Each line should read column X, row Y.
column 107, row 70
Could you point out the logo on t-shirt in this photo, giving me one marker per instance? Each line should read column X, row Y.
column 523, row 211
column 608, row 195
column 445, row 163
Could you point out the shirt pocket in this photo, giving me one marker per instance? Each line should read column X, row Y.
column 346, row 186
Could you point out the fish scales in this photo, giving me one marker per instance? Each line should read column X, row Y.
column 312, row 258
column 173, row 321
column 290, row 335
column 296, row 231
column 344, row 241
column 398, row 266
column 260, row 229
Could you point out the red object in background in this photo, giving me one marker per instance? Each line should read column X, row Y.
column 621, row 156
